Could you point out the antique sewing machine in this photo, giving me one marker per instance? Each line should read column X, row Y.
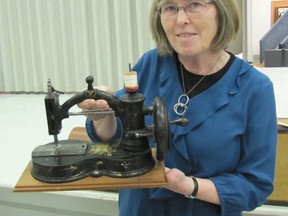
column 131, row 155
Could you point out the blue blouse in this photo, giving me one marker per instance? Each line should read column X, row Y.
column 231, row 139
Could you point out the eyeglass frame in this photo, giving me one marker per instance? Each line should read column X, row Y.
column 182, row 7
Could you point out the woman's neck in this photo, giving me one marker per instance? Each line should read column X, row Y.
column 205, row 64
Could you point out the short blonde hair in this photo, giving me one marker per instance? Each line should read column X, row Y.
column 229, row 26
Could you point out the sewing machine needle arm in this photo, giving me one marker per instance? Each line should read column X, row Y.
column 93, row 112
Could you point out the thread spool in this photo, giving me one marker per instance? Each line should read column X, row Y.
column 131, row 82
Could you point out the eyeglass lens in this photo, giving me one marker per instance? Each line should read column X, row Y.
column 192, row 7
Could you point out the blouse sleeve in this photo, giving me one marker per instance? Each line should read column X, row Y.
column 93, row 135
column 252, row 181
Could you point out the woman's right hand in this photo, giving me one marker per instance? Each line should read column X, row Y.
column 94, row 105
column 104, row 124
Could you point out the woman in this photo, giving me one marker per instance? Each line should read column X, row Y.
column 225, row 157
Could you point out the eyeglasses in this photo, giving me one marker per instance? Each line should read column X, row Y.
column 170, row 9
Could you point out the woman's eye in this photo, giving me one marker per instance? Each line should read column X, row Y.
column 195, row 5
column 170, row 8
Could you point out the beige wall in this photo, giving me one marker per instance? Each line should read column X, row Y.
column 237, row 46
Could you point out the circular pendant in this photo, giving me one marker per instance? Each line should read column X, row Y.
column 181, row 106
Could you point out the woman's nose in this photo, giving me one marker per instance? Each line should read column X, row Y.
column 182, row 17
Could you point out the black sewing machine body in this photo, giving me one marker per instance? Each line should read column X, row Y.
column 131, row 155
column 77, row 160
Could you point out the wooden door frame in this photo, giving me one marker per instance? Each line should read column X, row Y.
column 275, row 5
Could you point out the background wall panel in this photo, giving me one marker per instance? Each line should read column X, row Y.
column 66, row 40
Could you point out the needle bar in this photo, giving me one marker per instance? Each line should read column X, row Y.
column 91, row 113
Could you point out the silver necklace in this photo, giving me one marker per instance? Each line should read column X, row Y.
column 180, row 107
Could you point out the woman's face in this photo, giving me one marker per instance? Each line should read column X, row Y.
column 190, row 33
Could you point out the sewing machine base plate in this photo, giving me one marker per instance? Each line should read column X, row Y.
column 96, row 160
column 151, row 179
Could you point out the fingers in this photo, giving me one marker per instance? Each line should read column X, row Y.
column 96, row 105
column 91, row 104
column 87, row 104
column 101, row 105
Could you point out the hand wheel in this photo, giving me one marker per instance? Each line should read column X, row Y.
column 161, row 128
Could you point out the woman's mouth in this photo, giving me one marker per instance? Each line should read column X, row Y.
column 185, row 35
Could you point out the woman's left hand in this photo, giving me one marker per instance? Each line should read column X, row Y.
column 179, row 183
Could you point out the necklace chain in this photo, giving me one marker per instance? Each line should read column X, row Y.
column 181, row 106
column 183, row 82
